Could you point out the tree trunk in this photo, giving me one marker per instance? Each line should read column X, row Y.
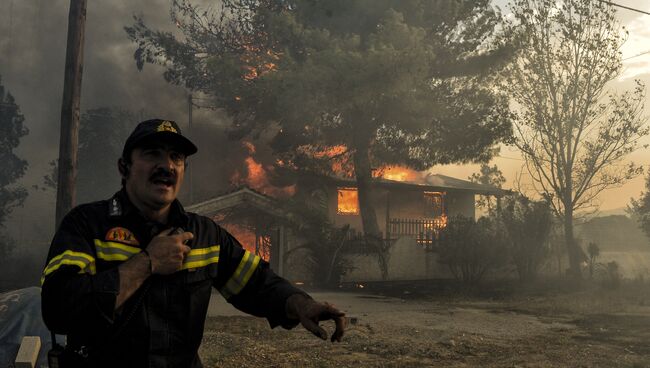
column 363, row 173
column 572, row 247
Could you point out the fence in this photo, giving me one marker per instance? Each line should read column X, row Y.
column 425, row 230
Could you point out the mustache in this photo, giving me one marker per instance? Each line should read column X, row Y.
column 163, row 174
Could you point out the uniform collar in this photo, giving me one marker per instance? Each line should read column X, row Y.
column 121, row 206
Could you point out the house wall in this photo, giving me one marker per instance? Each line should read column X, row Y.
column 404, row 203
column 408, row 261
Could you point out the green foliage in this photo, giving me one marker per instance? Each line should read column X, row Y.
column 471, row 248
column 407, row 79
column 394, row 82
column 325, row 244
column 528, row 226
column 102, row 133
column 13, row 167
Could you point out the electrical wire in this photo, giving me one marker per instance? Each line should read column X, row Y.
column 623, row 6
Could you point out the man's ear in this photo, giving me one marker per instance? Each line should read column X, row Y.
column 123, row 167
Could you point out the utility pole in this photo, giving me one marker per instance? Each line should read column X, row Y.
column 69, row 139
column 189, row 134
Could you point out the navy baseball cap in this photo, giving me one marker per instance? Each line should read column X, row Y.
column 158, row 130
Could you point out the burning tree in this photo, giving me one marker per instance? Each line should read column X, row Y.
column 347, row 86
column 571, row 131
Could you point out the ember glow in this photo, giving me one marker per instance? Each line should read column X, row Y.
column 399, row 173
column 348, row 201
column 257, row 178
column 258, row 63
column 247, row 239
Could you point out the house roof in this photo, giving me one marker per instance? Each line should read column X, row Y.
column 434, row 182
column 237, row 197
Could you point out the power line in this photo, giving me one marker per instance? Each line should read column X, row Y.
column 624, row 7
column 640, row 54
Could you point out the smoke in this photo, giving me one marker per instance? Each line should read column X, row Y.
column 32, row 58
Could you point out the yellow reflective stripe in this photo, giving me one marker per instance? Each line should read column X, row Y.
column 113, row 251
column 110, row 244
column 201, row 263
column 200, row 251
column 85, row 262
column 242, row 274
column 201, row 257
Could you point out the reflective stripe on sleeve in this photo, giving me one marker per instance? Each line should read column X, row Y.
column 201, row 257
column 85, row 262
column 242, row 274
column 113, row 251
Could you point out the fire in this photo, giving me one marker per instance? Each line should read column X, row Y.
column 399, row 173
column 348, row 201
column 246, row 238
column 257, row 178
column 258, row 62
column 337, row 155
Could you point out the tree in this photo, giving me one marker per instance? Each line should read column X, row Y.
column 594, row 251
column 384, row 82
column 572, row 132
column 528, row 226
column 641, row 208
column 13, row 167
column 471, row 248
column 102, row 134
column 488, row 175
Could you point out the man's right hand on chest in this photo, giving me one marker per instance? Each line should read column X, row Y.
column 167, row 251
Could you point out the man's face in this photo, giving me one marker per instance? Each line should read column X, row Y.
column 155, row 175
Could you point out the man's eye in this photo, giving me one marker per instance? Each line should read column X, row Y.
column 177, row 157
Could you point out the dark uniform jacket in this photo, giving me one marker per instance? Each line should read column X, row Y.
column 161, row 325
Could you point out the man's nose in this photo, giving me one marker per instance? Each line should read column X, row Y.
column 167, row 162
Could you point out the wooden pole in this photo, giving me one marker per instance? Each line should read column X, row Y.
column 189, row 134
column 69, row 139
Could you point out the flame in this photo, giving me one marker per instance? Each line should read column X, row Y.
column 398, row 173
column 337, row 155
column 348, row 201
column 246, row 238
column 258, row 62
column 257, row 177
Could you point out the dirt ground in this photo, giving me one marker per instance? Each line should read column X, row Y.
column 401, row 328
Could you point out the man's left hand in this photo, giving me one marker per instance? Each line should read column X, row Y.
column 310, row 312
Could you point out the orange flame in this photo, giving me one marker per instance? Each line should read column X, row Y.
column 348, row 201
column 257, row 177
column 246, row 238
column 398, row 173
column 257, row 62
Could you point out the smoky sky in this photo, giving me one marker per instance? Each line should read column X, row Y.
column 32, row 58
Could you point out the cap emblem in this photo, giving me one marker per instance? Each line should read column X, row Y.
column 166, row 126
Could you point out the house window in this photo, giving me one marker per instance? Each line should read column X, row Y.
column 434, row 204
column 348, row 201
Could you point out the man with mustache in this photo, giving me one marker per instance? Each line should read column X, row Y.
column 129, row 279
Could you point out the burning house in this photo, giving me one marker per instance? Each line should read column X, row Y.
column 411, row 209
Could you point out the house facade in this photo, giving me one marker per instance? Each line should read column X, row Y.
column 409, row 216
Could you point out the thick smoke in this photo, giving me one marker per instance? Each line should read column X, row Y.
column 32, row 57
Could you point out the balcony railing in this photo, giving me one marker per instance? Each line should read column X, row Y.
column 425, row 230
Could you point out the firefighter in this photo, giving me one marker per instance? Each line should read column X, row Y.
column 129, row 279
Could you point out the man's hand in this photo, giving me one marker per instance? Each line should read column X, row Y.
column 168, row 251
column 309, row 312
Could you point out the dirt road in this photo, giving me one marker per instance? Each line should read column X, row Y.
column 397, row 332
